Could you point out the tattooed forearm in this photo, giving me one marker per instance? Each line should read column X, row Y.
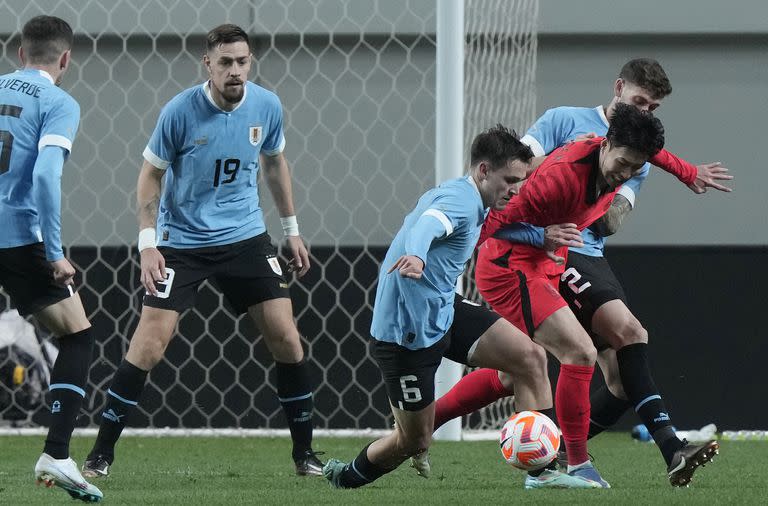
column 611, row 221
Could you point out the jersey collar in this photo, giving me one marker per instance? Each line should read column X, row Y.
column 601, row 112
column 41, row 73
column 207, row 90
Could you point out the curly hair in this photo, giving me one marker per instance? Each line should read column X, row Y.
column 635, row 129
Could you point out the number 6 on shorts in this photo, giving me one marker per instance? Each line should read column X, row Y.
column 410, row 394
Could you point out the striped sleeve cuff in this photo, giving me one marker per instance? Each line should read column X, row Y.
column 54, row 140
column 442, row 218
column 536, row 147
column 154, row 159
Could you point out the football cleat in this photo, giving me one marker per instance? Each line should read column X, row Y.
column 687, row 459
column 588, row 472
column 332, row 471
column 421, row 464
column 308, row 464
column 96, row 467
column 552, row 478
column 63, row 473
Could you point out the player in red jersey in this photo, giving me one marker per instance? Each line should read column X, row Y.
column 576, row 184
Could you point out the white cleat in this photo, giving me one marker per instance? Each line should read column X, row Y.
column 63, row 473
column 421, row 464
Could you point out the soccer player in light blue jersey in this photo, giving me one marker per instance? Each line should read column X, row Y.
column 199, row 218
column 38, row 122
column 418, row 318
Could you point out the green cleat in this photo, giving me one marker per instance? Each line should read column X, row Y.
column 421, row 464
column 332, row 471
column 551, row 478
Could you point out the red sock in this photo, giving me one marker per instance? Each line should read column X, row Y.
column 474, row 391
column 572, row 406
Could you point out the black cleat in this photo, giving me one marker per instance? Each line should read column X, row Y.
column 687, row 459
column 308, row 464
column 96, row 467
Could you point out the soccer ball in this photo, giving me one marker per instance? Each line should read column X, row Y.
column 529, row 440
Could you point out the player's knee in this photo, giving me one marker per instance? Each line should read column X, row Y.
column 582, row 353
column 632, row 332
column 146, row 353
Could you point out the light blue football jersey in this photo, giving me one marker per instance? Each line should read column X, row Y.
column 563, row 124
column 210, row 195
column 416, row 313
column 34, row 114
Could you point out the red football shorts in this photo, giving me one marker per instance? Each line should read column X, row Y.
column 524, row 299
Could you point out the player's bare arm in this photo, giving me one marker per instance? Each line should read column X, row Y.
column 278, row 177
column 409, row 266
column 611, row 221
column 147, row 202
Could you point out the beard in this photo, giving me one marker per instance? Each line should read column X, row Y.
column 233, row 94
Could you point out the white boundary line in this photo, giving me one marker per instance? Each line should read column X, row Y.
column 168, row 432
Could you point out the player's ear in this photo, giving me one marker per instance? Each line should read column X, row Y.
column 618, row 86
column 64, row 59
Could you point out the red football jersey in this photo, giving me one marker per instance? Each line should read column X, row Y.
column 563, row 189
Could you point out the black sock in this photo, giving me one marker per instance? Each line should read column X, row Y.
column 122, row 398
column 294, row 391
column 645, row 397
column 552, row 466
column 67, row 391
column 361, row 471
column 606, row 410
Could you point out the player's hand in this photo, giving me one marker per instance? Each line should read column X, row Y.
column 558, row 236
column 708, row 175
column 563, row 234
column 299, row 261
column 152, row 269
column 63, row 272
column 409, row 266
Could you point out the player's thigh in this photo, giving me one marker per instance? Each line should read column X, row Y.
column 409, row 375
column 251, row 274
column 152, row 335
column 587, row 284
column 615, row 323
column 563, row 336
column 27, row 277
column 482, row 338
column 64, row 317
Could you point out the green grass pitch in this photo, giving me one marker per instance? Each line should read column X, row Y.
column 194, row 471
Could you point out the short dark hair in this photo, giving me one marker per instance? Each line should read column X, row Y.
column 648, row 74
column 497, row 146
column 44, row 38
column 637, row 130
column 225, row 34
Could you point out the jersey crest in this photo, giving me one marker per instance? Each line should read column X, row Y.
column 254, row 135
